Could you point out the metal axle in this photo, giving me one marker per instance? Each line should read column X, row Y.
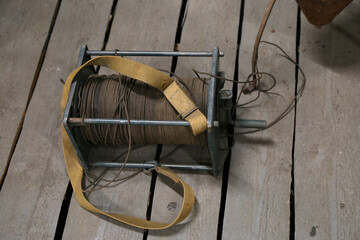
column 241, row 123
column 151, row 165
column 150, row 53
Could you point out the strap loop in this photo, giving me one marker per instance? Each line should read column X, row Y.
column 175, row 96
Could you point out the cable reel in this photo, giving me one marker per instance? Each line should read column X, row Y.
column 218, row 108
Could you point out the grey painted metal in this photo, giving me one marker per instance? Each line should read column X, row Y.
column 240, row 123
column 213, row 140
column 213, row 128
column 226, row 95
column 150, row 53
column 151, row 165
column 249, row 123
column 82, row 58
column 67, row 127
column 212, row 88
column 83, row 121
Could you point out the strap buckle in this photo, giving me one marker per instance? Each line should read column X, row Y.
column 183, row 116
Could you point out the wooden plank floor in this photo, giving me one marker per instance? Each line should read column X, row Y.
column 315, row 148
column 196, row 36
column 260, row 167
column 21, row 43
column 35, row 185
column 328, row 131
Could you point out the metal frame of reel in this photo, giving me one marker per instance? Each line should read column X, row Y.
column 218, row 112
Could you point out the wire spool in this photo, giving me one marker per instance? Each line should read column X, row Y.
column 120, row 97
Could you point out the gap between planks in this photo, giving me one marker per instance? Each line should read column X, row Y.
column 31, row 91
column 200, row 33
column 69, row 190
column 37, row 178
column 292, row 185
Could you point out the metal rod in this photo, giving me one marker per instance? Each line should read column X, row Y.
column 82, row 121
column 150, row 53
column 212, row 88
column 241, row 123
column 250, row 123
column 213, row 140
column 150, row 165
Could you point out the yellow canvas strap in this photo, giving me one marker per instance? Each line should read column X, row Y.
column 176, row 97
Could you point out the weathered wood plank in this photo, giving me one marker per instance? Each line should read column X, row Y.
column 257, row 203
column 327, row 148
column 23, row 30
column 137, row 25
column 32, row 195
column 208, row 24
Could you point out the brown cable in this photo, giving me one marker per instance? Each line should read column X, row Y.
column 120, row 97
column 252, row 86
column 294, row 100
column 289, row 107
column 104, row 97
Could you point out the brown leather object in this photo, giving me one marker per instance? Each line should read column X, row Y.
column 321, row 12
